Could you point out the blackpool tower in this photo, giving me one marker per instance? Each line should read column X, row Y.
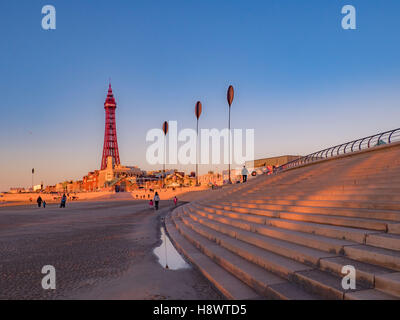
column 110, row 147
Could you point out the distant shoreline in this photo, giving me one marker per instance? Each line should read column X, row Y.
column 20, row 199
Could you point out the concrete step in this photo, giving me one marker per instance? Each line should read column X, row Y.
column 389, row 215
column 394, row 228
column 327, row 203
column 305, row 224
column 298, row 177
column 322, row 283
column 389, row 283
column 311, row 187
column 317, row 194
column 339, row 196
column 365, row 273
column 260, row 280
column 371, row 294
column 302, row 254
column 344, row 233
column 317, row 282
column 229, row 286
column 367, row 253
column 305, row 239
column 386, row 241
column 357, row 179
column 371, row 224
column 378, row 256
column 275, row 263
column 329, row 183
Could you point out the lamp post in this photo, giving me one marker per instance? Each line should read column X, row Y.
column 33, row 172
column 229, row 97
column 165, row 129
column 197, row 111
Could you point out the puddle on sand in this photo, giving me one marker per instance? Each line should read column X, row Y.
column 167, row 254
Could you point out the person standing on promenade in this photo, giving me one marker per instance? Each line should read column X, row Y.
column 63, row 201
column 175, row 201
column 245, row 172
column 44, row 203
column 156, row 200
column 39, row 201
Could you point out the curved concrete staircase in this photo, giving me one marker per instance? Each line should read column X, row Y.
column 288, row 236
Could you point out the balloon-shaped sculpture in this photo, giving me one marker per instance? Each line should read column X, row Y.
column 198, row 109
column 165, row 127
column 230, row 95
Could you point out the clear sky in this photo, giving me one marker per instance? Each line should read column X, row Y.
column 302, row 82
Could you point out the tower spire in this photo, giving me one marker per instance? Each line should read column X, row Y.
column 110, row 147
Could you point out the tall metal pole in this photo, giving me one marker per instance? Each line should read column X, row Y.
column 197, row 111
column 165, row 129
column 197, row 155
column 229, row 129
column 229, row 97
column 165, row 158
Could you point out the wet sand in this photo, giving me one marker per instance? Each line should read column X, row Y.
column 100, row 250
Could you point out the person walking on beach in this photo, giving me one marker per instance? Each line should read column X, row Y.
column 63, row 201
column 156, row 200
column 175, row 200
column 39, row 201
column 245, row 172
column 44, row 204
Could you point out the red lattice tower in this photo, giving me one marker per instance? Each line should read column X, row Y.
column 110, row 147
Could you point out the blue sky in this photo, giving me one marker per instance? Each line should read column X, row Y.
column 302, row 82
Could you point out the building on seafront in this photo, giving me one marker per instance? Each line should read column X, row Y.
column 211, row 178
column 271, row 161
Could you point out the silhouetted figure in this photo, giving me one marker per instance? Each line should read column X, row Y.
column 156, row 200
column 39, row 201
column 44, row 204
column 175, row 201
column 63, row 201
column 245, row 172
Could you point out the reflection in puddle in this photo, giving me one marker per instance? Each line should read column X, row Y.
column 167, row 255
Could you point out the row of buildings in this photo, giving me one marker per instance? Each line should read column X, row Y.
column 116, row 177
column 121, row 178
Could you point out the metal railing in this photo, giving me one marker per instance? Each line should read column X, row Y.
column 344, row 148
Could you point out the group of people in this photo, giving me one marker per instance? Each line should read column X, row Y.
column 153, row 202
column 156, row 200
column 40, row 201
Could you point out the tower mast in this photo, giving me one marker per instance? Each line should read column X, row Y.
column 110, row 147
